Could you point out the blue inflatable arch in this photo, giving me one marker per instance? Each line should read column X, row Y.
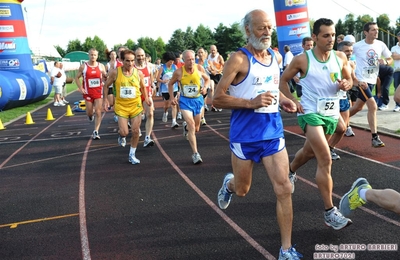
column 20, row 83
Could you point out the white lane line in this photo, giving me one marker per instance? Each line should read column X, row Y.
column 236, row 227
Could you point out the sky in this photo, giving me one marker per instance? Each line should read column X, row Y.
column 56, row 22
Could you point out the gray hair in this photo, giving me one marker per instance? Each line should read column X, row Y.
column 186, row 52
column 247, row 21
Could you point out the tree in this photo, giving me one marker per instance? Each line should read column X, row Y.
column 74, row 45
column 176, row 42
column 190, row 43
column 96, row 43
column 60, row 50
column 398, row 24
column 350, row 24
column 159, row 46
column 341, row 28
column 130, row 44
column 228, row 39
column 203, row 37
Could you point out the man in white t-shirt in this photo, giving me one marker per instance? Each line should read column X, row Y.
column 288, row 56
column 369, row 53
column 396, row 76
column 57, row 81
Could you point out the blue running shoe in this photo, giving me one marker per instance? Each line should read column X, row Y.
column 224, row 197
column 291, row 254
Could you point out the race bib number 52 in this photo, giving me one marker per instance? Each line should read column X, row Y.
column 328, row 106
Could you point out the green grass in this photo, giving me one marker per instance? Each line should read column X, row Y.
column 13, row 113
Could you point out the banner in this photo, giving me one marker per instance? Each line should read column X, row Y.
column 292, row 24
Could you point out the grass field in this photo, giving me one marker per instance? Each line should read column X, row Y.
column 13, row 113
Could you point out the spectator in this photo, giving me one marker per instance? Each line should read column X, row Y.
column 396, row 76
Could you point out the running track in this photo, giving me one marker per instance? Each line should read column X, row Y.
column 65, row 196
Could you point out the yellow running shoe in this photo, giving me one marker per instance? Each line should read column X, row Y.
column 351, row 200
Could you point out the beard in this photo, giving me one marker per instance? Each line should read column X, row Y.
column 257, row 42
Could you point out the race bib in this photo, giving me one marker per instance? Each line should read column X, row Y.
column 370, row 72
column 328, row 106
column 342, row 94
column 94, row 83
column 146, row 81
column 190, row 91
column 127, row 92
column 274, row 107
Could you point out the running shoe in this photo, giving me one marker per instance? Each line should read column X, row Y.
column 196, row 158
column 95, row 135
column 179, row 116
column 396, row 108
column 293, row 179
column 334, row 155
column 121, row 141
column 224, row 196
column 290, row 254
column 203, row 121
column 206, row 108
column 349, row 132
column 59, row 104
column 148, row 142
column 165, row 117
column 185, row 131
column 383, row 107
column 91, row 118
column 133, row 159
column 376, row 142
column 174, row 125
column 335, row 219
column 351, row 200
column 115, row 118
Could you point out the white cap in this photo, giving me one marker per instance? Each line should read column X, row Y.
column 349, row 38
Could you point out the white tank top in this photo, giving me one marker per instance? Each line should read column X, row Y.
column 320, row 86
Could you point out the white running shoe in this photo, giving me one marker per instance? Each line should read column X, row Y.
column 133, row 159
column 179, row 116
column 336, row 220
column 165, row 117
column 148, row 142
column 122, row 141
column 185, row 131
column 174, row 125
column 349, row 132
column 95, row 135
column 196, row 158
column 293, row 179
column 383, row 107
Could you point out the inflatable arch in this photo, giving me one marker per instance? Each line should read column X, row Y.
column 20, row 83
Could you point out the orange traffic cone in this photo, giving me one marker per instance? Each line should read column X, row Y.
column 69, row 111
column 29, row 120
column 49, row 115
column 1, row 125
